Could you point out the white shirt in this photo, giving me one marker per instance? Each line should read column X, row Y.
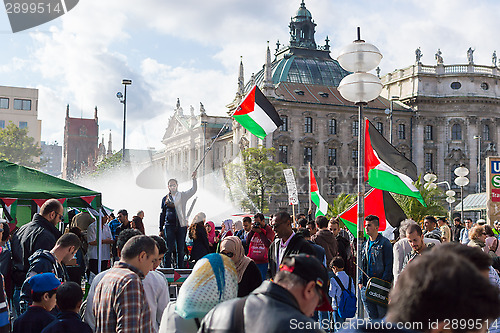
column 88, row 314
column 281, row 250
column 156, row 290
column 335, row 290
column 92, row 236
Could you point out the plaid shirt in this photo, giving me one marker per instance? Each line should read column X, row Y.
column 119, row 302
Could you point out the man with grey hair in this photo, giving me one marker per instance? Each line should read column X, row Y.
column 402, row 248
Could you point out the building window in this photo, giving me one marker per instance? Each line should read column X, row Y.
column 354, row 156
column 308, row 153
column 4, row 103
column 308, row 125
column 283, row 154
column 22, row 104
column 428, row 132
column 486, row 132
column 332, row 126
column 402, row 132
column 284, row 126
column 2, row 124
column 429, row 162
column 332, row 156
column 23, row 124
column 355, row 128
column 380, row 127
column 456, row 85
column 456, row 132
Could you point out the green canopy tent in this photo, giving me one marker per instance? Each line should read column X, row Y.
column 22, row 185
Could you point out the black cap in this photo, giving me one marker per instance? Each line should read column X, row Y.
column 310, row 269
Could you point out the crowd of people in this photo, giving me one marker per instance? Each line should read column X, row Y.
column 260, row 274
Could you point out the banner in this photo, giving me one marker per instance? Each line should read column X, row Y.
column 293, row 197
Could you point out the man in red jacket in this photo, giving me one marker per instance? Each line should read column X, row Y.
column 260, row 238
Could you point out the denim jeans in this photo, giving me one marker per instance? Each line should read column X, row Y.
column 337, row 321
column 374, row 310
column 176, row 240
column 263, row 270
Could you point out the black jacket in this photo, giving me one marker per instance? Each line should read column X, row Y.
column 39, row 234
column 270, row 308
column 297, row 245
column 67, row 322
column 42, row 261
column 180, row 207
column 33, row 321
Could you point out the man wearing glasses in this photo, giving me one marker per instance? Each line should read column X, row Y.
column 39, row 234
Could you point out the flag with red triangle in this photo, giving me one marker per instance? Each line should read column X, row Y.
column 257, row 114
column 379, row 203
column 11, row 206
column 321, row 204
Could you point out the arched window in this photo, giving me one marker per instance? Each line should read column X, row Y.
column 486, row 133
column 456, row 132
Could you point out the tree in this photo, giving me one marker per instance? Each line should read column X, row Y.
column 17, row 147
column 340, row 204
column 415, row 210
column 108, row 163
column 254, row 177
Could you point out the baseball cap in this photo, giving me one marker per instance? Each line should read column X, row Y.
column 41, row 283
column 310, row 269
column 481, row 221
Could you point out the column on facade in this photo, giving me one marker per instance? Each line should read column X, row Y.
column 418, row 150
column 441, row 135
column 473, row 129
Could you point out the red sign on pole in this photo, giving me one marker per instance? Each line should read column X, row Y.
column 495, row 194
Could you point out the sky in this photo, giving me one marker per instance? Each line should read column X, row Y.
column 191, row 50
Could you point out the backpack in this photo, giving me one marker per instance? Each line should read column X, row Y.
column 346, row 305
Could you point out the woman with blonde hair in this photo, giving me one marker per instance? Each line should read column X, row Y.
column 249, row 276
column 477, row 237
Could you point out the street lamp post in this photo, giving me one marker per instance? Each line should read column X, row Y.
column 360, row 88
column 123, row 99
column 430, row 178
column 462, row 181
column 478, row 138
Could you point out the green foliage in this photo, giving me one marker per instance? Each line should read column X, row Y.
column 108, row 163
column 340, row 204
column 17, row 147
column 415, row 210
column 255, row 178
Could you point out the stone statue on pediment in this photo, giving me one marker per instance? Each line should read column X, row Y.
column 470, row 56
column 494, row 58
column 439, row 57
column 418, row 55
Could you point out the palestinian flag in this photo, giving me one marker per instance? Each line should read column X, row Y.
column 257, row 114
column 321, row 204
column 386, row 168
column 380, row 203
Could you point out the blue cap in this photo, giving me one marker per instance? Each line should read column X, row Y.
column 44, row 282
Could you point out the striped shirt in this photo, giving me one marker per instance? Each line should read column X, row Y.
column 120, row 304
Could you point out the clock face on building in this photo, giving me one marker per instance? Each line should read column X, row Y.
column 484, row 86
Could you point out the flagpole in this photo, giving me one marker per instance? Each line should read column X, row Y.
column 211, row 145
column 309, row 211
column 293, row 213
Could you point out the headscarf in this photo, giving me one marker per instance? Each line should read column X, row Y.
column 238, row 225
column 233, row 244
column 211, row 234
column 212, row 281
column 227, row 228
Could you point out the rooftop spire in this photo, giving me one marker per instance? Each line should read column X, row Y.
column 241, row 79
column 268, row 88
column 302, row 28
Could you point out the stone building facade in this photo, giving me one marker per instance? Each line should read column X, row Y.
column 457, row 115
column 80, row 149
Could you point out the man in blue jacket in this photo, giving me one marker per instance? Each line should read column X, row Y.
column 376, row 261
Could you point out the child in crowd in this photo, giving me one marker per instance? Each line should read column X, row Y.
column 337, row 266
column 69, row 299
column 38, row 316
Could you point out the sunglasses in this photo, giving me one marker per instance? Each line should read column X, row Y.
column 228, row 254
column 61, row 216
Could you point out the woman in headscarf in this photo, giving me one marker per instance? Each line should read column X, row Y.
column 198, row 234
column 212, row 238
column 213, row 281
column 226, row 228
column 249, row 276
